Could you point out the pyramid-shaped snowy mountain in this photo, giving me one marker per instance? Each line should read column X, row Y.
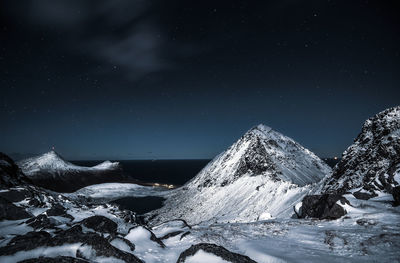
column 372, row 163
column 52, row 171
column 263, row 173
column 263, row 151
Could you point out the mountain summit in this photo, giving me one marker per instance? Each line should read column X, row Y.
column 263, row 174
column 372, row 163
column 52, row 171
column 54, row 162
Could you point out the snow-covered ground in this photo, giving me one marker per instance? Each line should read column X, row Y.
column 370, row 232
column 111, row 191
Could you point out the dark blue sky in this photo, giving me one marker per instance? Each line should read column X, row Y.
column 185, row 79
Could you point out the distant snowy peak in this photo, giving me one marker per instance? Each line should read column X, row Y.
column 263, row 151
column 106, row 165
column 372, row 163
column 52, row 161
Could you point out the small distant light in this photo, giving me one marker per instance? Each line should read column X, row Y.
column 335, row 158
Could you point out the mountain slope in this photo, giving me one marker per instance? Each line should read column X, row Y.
column 372, row 163
column 263, row 174
column 51, row 171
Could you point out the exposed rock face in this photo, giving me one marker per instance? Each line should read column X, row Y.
column 99, row 244
column 322, row 206
column 100, row 224
column 51, row 171
column 16, row 194
column 396, row 195
column 56, row 210
column 10, row 174
column 216, row 250
column 372, row 162
column 10, row 211
column 41, row 221
column 55, row 260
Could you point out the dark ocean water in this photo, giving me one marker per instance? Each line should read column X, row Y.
column 176, row 172
column 140, row 205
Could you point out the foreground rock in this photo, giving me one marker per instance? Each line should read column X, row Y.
column 10, row 174
column 213, row 249
column 92, row 244
column 55, row 260
column 326, row 206
column 100, row 224
column 10, row 211
column 396, row 195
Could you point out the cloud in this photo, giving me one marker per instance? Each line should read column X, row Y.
column 140, row 52
column 119, row 33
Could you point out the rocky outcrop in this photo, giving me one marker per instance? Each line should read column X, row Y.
column 396, row 195
column 216, row 250
column 54, row 260
column 372, row 161
column 16, row 194
column 89, row 240
column 100, row 224
column 10, row 174
column 9, row 211
column 326, row 206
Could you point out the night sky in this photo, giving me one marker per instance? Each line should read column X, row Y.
column 185, row 79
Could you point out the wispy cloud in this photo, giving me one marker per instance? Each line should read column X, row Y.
column 119, row 33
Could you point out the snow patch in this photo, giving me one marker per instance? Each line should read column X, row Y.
column 204, row 257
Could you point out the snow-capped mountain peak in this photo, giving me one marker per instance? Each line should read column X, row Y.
column 52, row 171
column 52, row 161
column 264, row 172
column 266, row 152
column 47, row 161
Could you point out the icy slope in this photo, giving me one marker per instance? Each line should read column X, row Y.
column 51, row 171
column 262, row 175
column 372, row 163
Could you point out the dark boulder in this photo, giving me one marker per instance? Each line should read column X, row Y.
column 9, row 211
column 153, row 237
column 41, row 221
column 323, row 206
column 101, row 224
column 99, row 244
column 103, row 248
column 56, row 210
column 216, row 250
column 54, row 260
column 126, row 241
column 16, row 195
column 10, row 174
column 396, row 195
column 364, row 195
column 29, row 241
